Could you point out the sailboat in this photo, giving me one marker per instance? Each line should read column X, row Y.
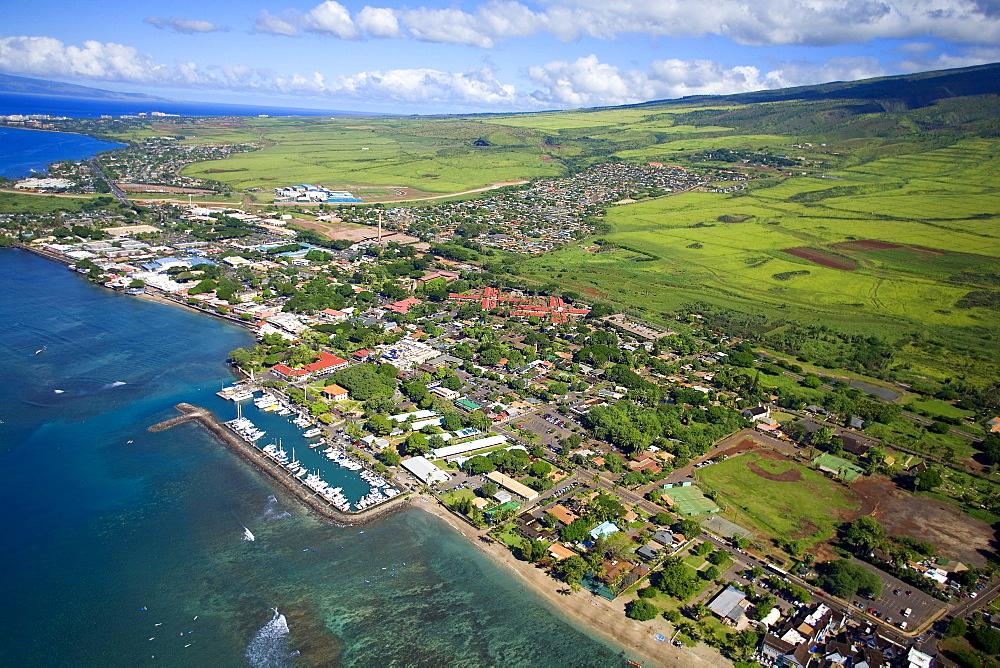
column 247, row 534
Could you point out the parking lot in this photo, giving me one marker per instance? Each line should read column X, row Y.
column 896, row 597
column 548, row 429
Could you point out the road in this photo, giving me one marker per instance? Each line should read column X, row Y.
column 117, row 192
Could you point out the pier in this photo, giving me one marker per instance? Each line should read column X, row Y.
column 316, row 503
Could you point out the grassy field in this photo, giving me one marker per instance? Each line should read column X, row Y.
column 19, row 203
column 892, row 293
column 431, row 155
column 806, row 509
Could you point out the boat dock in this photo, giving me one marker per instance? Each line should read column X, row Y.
column 314, row 501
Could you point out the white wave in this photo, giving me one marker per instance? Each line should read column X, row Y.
column 272, row 512
column 269, row 646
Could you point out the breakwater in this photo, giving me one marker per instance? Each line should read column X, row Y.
column 316, row 503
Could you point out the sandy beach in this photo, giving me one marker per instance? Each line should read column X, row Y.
column 586, row 611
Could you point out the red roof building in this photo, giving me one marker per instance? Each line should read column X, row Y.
column 326, row 364
column 403, row 305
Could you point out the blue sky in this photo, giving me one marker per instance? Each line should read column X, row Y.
column 479, row 56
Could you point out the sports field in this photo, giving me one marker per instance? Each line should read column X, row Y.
column 777, row 497
column 691, row 501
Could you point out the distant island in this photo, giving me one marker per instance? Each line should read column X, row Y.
column 29, row 86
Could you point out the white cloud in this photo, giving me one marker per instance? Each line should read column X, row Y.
column 942, row 61
column 756, row 22
column 587, row 82
column 378, row 22
column 272, row 24
column 476, row 89
column 331, row 18
column 186, row 26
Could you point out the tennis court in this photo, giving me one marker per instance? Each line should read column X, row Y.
column 837, row 466
column 690, row 501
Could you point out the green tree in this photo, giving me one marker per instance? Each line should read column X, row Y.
column 572, row 569
column 927, row 480
column 379, row 425
column 641, row 610
column 488, row 489
column 689, row 528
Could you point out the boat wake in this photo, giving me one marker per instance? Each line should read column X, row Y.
column 272, row 512
column 269, row 646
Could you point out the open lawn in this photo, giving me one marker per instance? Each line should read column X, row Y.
column 805, row 505
column 21, row 203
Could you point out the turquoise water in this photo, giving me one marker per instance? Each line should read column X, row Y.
column 24, row 152
column 115, row 539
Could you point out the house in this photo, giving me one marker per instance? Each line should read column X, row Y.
column 854, row 445
column 993, row 425
column 648, row 552
column 563, row 514
column 332, row 314
column 856, row 423
column 445, row 393
column 362, row 355
column 560, row 552
column 335, row 393
column 757, row 413
column 729, row 604
column 403, row 305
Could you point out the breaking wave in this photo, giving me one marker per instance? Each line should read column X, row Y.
column 272, row 512
column 269, row 646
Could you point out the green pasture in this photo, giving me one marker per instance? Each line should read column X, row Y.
column 21, row 203
column 941, row 408
column 807, row 509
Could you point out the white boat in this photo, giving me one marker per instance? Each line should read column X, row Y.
column 247, row 535
column 241, row 395
column 313, row 433
column 265, row 401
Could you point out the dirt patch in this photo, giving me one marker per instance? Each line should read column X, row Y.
column 822, row 258
column 956, row 535
column 154, row 188
column 593, row 292
column 932, row 251
column 791, row 475
column 354, row 233
column 806, row 529
column 746, row 445
column 864, row 245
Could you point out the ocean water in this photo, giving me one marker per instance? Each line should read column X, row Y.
column 25, row 152
column 83, row 107
column 123, row 547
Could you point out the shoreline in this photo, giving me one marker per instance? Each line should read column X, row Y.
column 588, row 613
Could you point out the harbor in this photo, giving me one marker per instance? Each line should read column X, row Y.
column 322, row 476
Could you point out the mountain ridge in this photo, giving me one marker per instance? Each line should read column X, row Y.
column 29, row 86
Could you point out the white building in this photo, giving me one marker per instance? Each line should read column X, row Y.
column 425, row 470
